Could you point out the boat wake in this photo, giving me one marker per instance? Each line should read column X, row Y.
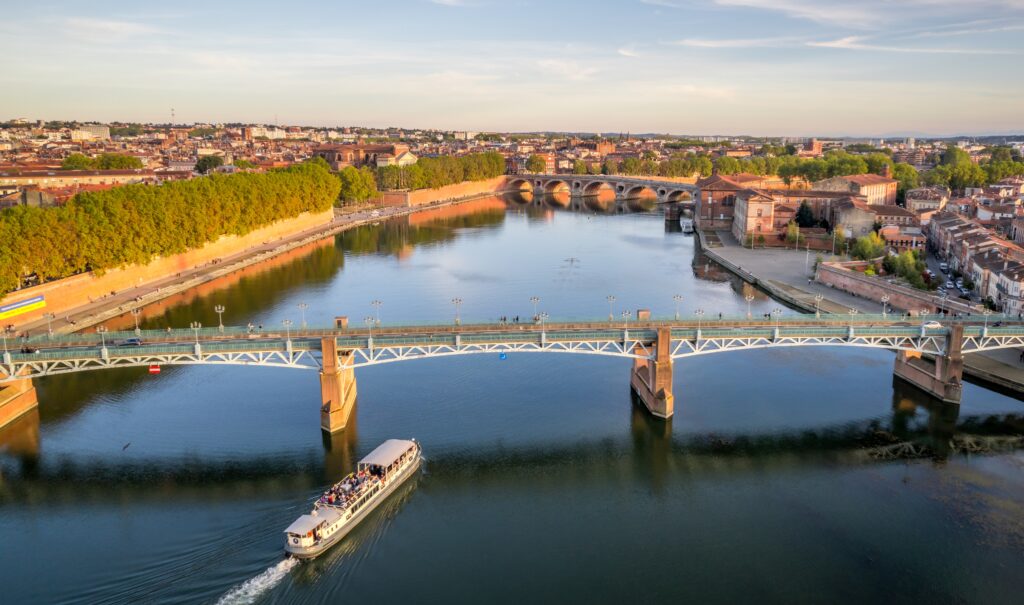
column 250, row 590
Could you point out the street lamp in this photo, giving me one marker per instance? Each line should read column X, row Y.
column 817, row 302
column 986, row 313
column 542, row 317
column 101, row 330
column 678, row 298
column 942, row 302
column 369, row 321
column 625, row 316
column 49, row 328
column 699, row 313
column 776, row 313
column 885, row 305
column 287, row 323
column 611, row 301
column 219, row 310
column 749, row 298
column 535, row 300
column 376, row 308
column 196, row 326
column 457, row 302
column 853, row 313
column 302, row 310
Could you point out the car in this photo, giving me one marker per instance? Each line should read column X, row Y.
column 932, row 325
column 27, row 349
column 944, row 267
column 129, row 342
column 949, row 285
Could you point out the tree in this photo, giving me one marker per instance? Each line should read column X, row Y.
column 908, row 179
column 357, row 185
column 804, row 215
column 77, row 161
column 208, row 163
column 244, row 164
column 118, row 161
column 869, row 247
column 954, row 156
column 579, row 167
column 536, row 163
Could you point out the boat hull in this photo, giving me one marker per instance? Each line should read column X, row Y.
column 311, row 552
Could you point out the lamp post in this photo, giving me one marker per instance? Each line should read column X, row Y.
column 776, row 313
column 625, row 316
column 196, row 326
column 369, row 321
column 853, row 313
column 885, row 305
column 817, row 303
column 700, row 314
column 749, row 298
column 542, row 317
column 678, row 298
column 457, row 302
column 376, row 309
column 535, row 300
column 3, row 333
column 986, row 313
column 287, row 323
column 611, row 301
column 219, row 310
column 302, row 310
column 101, row 330
column 807, row 257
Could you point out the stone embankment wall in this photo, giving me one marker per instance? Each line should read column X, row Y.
column 421, row 197
column 66, row 294
column 874, row 288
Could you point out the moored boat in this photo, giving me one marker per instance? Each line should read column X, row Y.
column 353, row 498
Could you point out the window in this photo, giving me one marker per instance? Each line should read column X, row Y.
column 759, row 211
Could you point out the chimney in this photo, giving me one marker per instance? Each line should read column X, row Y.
column 886, row 171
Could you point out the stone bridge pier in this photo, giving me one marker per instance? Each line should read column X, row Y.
column 337, row 387
column 17, row 398
column 651, row 379
column 941, row 378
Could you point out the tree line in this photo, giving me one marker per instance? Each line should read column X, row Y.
column 957, row 171
column 431, row 173
column 101, row 230
column 104, row 161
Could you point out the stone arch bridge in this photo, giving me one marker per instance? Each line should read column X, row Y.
column 653, row 345
column 624, row 187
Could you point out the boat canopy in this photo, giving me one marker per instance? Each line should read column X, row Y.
column 387, row 453
column 307, row 523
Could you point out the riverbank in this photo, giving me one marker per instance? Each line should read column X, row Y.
column 98, row 311
column 787, row 276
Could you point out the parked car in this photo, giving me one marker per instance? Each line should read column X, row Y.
column 944, row 267
column 129, row 342
column 27, row 349
column 949, row 285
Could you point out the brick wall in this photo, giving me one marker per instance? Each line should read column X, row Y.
column 69, row 293
column 873, row 288
column 421, row 197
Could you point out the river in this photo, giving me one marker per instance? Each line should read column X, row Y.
column 786, row 475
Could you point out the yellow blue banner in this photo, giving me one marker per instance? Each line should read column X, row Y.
column 22, row 306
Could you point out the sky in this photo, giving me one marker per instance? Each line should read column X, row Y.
column 758, row 67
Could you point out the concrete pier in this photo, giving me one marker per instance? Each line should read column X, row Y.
column 337, row 387
column 942, row 378
column 651, row 380
column 16, row 399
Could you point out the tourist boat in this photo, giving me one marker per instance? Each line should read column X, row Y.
column 353, row 498
column 686, row 224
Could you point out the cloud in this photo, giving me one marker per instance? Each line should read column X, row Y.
column 628, row 52
column 855, row 43
column 571, row 70
column 735, row 42
column 93, row 28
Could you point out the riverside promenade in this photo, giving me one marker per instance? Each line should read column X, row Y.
column 787, row 275
column 100, row 310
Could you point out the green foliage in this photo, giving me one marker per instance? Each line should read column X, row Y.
column 430, row 173
column 243, row 164
column 909, row 266
column 579, row 167
column 536, row 163
column 357, row 185
column 131, row 130
column 793, row 233
column 202, row 133
column 907, row 176
column 957, row 176
column 208, row 163
column 100, row 230
column 868, row 247
column 804, row 215
column 954, row 156
column 106, row 161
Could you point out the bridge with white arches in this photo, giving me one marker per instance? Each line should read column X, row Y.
column 652, row 344
column 624, row 187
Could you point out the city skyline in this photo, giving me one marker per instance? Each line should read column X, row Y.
column 730, row 67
